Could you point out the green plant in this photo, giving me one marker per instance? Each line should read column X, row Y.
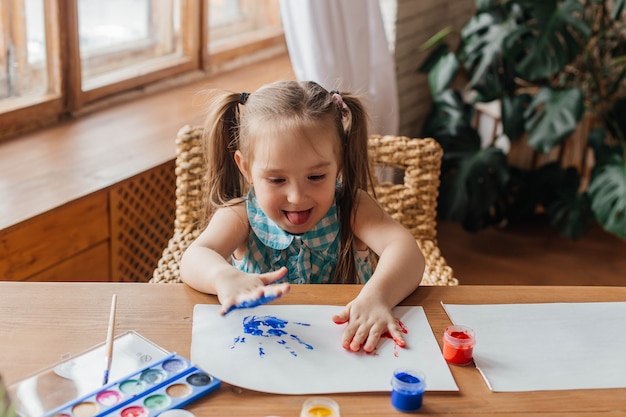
column 6, row 409
column 549, row 64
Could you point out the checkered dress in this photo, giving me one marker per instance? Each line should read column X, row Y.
column 310, row 258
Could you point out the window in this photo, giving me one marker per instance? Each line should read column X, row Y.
column 239, row 29
column 121, row 39
column 58, row 57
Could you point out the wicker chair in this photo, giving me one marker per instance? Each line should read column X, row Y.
column 413, row 203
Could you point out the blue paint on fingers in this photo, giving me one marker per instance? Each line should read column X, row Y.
column 264, row 299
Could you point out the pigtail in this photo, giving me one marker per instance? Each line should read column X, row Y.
column 224, row 181
column 355, row 157
column 355, row 176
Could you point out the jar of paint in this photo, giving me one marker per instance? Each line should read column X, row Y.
column 407, row 389
column 320, row 407
column 458, row 345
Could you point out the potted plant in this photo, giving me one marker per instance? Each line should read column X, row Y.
column 548, row 65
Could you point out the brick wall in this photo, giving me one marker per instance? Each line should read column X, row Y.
column 415, row 22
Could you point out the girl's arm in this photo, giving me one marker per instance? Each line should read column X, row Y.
column 398, row 273
column 205, row 265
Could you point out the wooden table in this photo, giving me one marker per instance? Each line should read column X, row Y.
column 41, row 322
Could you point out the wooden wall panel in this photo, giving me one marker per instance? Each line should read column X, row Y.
column 142, row 221
column 90, row 265
column 52, row 237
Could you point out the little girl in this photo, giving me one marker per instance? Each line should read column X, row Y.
column 287, row 178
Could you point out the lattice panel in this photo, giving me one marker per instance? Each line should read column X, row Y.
column 142, row 222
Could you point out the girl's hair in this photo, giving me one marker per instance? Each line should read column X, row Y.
column 287, row 104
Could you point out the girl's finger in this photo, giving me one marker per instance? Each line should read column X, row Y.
column 226, row 308
column 273, row 276
column 372, row 340
column 347, row 337
column 356, row 343
column 397, row 336
column 358, row 340
column 342, row 317
column 276, row 290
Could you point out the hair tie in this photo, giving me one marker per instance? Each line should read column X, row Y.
column 337, row 96
column 243, row 97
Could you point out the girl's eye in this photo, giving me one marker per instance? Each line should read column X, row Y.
column 317, row 177
column 276, row 180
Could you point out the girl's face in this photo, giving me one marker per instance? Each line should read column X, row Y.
column 294, row 173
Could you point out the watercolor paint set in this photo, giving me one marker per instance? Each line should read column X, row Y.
column 145, row 380
column 171, row 383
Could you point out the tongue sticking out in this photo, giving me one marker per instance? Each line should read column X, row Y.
column 298, row 217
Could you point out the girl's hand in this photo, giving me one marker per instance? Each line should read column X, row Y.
column 368, row 320
column 249, row 290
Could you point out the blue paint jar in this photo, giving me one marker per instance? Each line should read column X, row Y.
column 407, row 389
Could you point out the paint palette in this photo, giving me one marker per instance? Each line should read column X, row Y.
column 143, row 375
column 170, row 383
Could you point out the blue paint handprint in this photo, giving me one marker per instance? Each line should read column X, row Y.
column 272, row 328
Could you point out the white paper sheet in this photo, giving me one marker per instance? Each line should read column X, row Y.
column 554, row 346
column 298, row 351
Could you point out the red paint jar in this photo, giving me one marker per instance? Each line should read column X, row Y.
column 458, row 345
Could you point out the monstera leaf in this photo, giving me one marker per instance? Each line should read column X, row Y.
column 553, row 35
column 431, row 60
column 602, row 152
column 483, row 38
column 552, row 116
column 469, row 191
column 570, row 215
column 443, row 73
column 607, row 191
column 568, row 209
column 450, row 122
column 513, row 108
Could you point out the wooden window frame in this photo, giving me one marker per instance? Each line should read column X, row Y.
column 73, row 98
column 124, row 79
column 25, row 113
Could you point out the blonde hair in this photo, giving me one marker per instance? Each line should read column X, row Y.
column 287, row 104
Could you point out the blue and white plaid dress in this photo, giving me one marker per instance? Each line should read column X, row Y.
column 310, row 258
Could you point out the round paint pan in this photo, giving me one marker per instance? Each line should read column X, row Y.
column 177, row 413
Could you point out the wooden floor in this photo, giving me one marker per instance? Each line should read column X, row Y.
column 533, row 255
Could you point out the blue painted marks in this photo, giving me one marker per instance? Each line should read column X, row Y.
column 297, row 339
column 271, row 328
column 286, row 346
column 238, row 339
column 265, row 326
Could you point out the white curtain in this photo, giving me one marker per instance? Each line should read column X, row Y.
column 341, row 44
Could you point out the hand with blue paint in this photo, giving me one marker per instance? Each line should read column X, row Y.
column 251, row 290
column 263, row 299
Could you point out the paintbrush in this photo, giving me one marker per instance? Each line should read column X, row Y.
column 108, row 349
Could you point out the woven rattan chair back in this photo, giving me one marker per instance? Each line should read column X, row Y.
column 412, row 201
